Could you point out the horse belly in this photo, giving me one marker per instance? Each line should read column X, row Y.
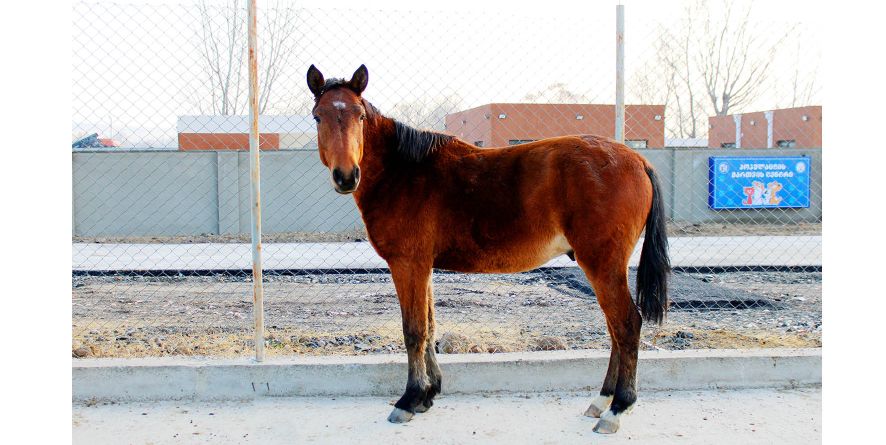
column 512, row 257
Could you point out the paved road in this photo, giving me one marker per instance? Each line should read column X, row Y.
column 687, row 417
column 685, row 251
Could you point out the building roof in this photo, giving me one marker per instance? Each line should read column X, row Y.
column 804, row 107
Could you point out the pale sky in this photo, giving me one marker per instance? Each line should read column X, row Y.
column 136, row 63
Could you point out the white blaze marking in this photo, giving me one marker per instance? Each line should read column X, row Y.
column 339, row 105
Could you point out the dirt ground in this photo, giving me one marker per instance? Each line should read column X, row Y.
column 752, row 416
column 674, row 229
column 124, row 316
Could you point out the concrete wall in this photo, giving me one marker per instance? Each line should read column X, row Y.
column 161, row 193
column 145, row 193
column 164, row 193
column 689, row 192
column 297, row 195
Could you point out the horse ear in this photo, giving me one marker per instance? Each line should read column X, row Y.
column 315, row 81
column 360, row 79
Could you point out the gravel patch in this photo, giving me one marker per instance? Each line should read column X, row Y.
column 126, row 316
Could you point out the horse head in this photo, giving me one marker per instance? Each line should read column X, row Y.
column 340, row 114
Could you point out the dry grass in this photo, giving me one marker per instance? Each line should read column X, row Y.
column 482, row 339
column 737, row 229
column 354, row 314
column 727, row 339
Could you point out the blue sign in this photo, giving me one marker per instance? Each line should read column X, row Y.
column 758, row 182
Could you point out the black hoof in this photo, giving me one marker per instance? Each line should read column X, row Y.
column 428, row 400
column 424, row 406
column 416, row 400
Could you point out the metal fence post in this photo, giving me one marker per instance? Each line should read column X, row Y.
column 255, row 181
column 620, row 73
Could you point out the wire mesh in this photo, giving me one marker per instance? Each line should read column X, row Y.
column 161, row 259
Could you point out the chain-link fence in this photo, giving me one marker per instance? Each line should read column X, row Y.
column 722, row 99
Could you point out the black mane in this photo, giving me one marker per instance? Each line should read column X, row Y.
column 413, row 144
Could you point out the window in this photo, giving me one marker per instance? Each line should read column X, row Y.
column 727, row 145
column 787, row 143
column 519, row 141
column 478, row 143
column 636, row 143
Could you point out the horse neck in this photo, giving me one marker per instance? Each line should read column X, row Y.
column 379, row 145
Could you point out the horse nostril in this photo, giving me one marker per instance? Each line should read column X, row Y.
column 356, row 174
column 338, row 177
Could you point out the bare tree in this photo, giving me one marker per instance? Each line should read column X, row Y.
column 297, row 104
column 708, row 63
column 556, row 93
column 803, row 86
column 277, row 42
column 668, row 79
column 732, row 58
column 430, row 113
column 223, row 44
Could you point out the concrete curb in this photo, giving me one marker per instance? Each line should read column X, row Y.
column 191, row 378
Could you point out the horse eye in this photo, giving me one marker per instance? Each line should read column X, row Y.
column 317, row 118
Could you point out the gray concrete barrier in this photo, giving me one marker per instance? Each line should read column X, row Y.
column 384, row 375
column 168, row 193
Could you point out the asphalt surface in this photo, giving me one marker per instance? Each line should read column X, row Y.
column 761, row 416
column 686, row 291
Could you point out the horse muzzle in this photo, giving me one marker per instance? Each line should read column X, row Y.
column 345, row 183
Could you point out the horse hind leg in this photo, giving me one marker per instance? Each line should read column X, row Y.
column 623, row 320
column 607, row 392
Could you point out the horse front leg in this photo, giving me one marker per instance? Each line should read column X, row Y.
column 434, row 373
column 412, row 283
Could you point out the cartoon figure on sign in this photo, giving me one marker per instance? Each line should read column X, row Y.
column 770, row 195
column 754, row 194
column 757, row 195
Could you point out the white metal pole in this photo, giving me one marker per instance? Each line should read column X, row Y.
column 620, row 73
column 258, row 308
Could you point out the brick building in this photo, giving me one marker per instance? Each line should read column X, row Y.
column 787, row 127
column 495, row 125
column 232, row 132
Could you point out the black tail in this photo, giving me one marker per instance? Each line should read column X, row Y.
column 652, row 274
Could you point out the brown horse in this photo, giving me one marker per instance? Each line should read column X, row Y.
column 430, row 200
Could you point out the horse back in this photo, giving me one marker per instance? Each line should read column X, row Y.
column 511, row 209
